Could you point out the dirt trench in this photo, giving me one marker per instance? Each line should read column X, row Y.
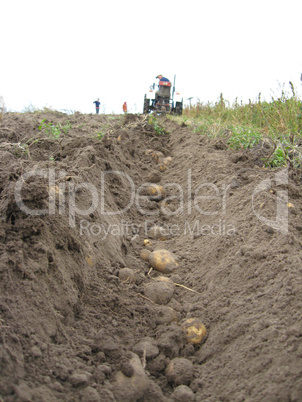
column 75, row 325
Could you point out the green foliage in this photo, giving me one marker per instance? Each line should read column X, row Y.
column 54, row 130
column 103, row 130
column 243, row 137
column 278, row 122
column 286, row 153
column 154, row 123
column 278, row 158
column 100, row 134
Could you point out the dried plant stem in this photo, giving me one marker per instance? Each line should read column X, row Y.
column 147, row 298
column 185, row 287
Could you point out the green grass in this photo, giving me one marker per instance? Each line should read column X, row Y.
column 278, row 123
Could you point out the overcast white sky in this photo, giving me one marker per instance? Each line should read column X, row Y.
column 66, row 53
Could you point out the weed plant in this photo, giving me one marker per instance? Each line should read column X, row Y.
column 155, row 124
column 278, row 122
column 100, row 134
column 54, row 130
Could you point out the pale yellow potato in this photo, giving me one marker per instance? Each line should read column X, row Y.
column 155, row 192
column 163, row 261
column 158, row 156
column 164, row 279
column 167, row 160
column 194, row 330
column 162, row 167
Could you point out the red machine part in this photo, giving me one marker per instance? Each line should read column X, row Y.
column 164, row 83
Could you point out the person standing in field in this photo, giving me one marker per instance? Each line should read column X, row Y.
column 97, row 105
column 125, row 109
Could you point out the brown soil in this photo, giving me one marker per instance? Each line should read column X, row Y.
column 75, row 325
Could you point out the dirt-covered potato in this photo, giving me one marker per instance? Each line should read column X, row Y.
column 157, row 233
column 163, row 261
column 153, row 177
column 155, row 192
column 132, row 385
column 145, row 254
column 194, row 330
column 179, row 371
column 165, row 315
column 183, row 393
column 162, row 167
column 147, row 347
column 160, row 290
column 127, row 275
column 158, row 156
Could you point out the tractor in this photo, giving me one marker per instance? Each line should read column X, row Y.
column 161, row 102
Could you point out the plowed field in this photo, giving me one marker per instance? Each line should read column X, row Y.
column 76, row 208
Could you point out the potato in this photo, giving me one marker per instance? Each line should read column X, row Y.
column 147, row 242
column 145, row 254
column 157, row 156
column 180, row 371
column 164, row 204
column 162, row 167
column 160, row 290
column 164, row 279
column 55, row 191
column 155, row 192
column 131, row 388
column 147, row 347
column 165, row 315
column 167, row 160
column 90, row 260
column 127, row 275
column 183, row 393
column 153, row 177
column 163, row 261
column 157, row 233
column 194, row 330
